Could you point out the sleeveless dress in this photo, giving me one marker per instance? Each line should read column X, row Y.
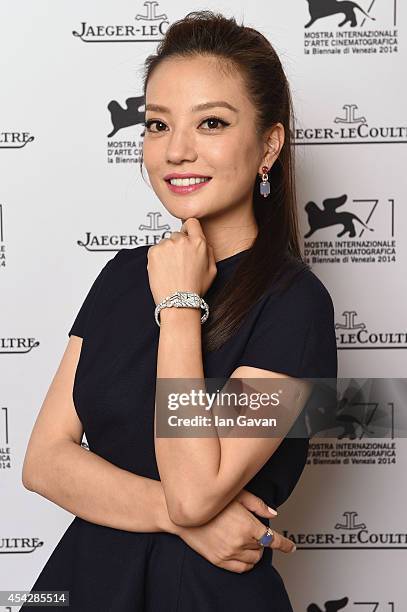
column 110, row 570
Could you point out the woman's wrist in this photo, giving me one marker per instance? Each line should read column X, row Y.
column 164, row 523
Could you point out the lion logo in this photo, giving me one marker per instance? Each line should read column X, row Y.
column 125, row 117
column 328, row 215
column 330, row 606
column 323, row 8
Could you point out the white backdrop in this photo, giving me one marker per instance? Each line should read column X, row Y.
column 71, row 196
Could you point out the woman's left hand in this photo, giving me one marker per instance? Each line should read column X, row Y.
column 183, row 262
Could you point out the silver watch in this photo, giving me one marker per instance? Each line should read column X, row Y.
column 182, row 299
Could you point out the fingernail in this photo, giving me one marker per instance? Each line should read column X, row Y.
column 294, row 549
column 272, row 511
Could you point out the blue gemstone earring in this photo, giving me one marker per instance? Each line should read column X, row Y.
column 265, row 184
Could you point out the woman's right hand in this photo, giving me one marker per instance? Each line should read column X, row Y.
column 229, row 540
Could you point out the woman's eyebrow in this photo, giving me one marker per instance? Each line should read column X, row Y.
column 204, row 106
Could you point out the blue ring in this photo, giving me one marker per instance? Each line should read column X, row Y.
column 266, row 539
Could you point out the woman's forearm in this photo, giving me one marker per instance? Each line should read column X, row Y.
column 188, row 466
column 94, row 489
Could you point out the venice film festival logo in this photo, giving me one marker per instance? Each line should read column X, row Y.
column 355, row 421
column 122, row 116
column 357, row 413
column 10, row 345
column 151, row 232
column 343, row 27
column 5, row 443
column 350, row 230
column 335, row 605
column 148, row 27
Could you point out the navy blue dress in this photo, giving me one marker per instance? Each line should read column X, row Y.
column 111, row 570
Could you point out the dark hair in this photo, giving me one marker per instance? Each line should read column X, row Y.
column 275, row 256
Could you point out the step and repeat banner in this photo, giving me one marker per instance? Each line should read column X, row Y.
column 71, row 196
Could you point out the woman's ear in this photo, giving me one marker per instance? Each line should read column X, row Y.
column 272, row 145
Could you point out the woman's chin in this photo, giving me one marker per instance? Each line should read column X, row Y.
column 184, row 211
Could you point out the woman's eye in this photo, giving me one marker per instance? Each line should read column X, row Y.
column 210, row 120
column 216, row 120
column 150, row 122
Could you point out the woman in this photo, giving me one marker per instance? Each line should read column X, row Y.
column 168, row 524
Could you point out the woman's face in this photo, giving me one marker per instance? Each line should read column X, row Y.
column 181, row 139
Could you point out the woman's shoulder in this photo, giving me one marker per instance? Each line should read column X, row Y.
column 303, row 292
column 126, row 267
column 126, row 258
column 309, row 286
column 134, row 255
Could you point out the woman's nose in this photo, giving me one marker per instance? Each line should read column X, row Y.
column 181, row 146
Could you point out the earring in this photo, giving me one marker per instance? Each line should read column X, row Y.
column 265, row 184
